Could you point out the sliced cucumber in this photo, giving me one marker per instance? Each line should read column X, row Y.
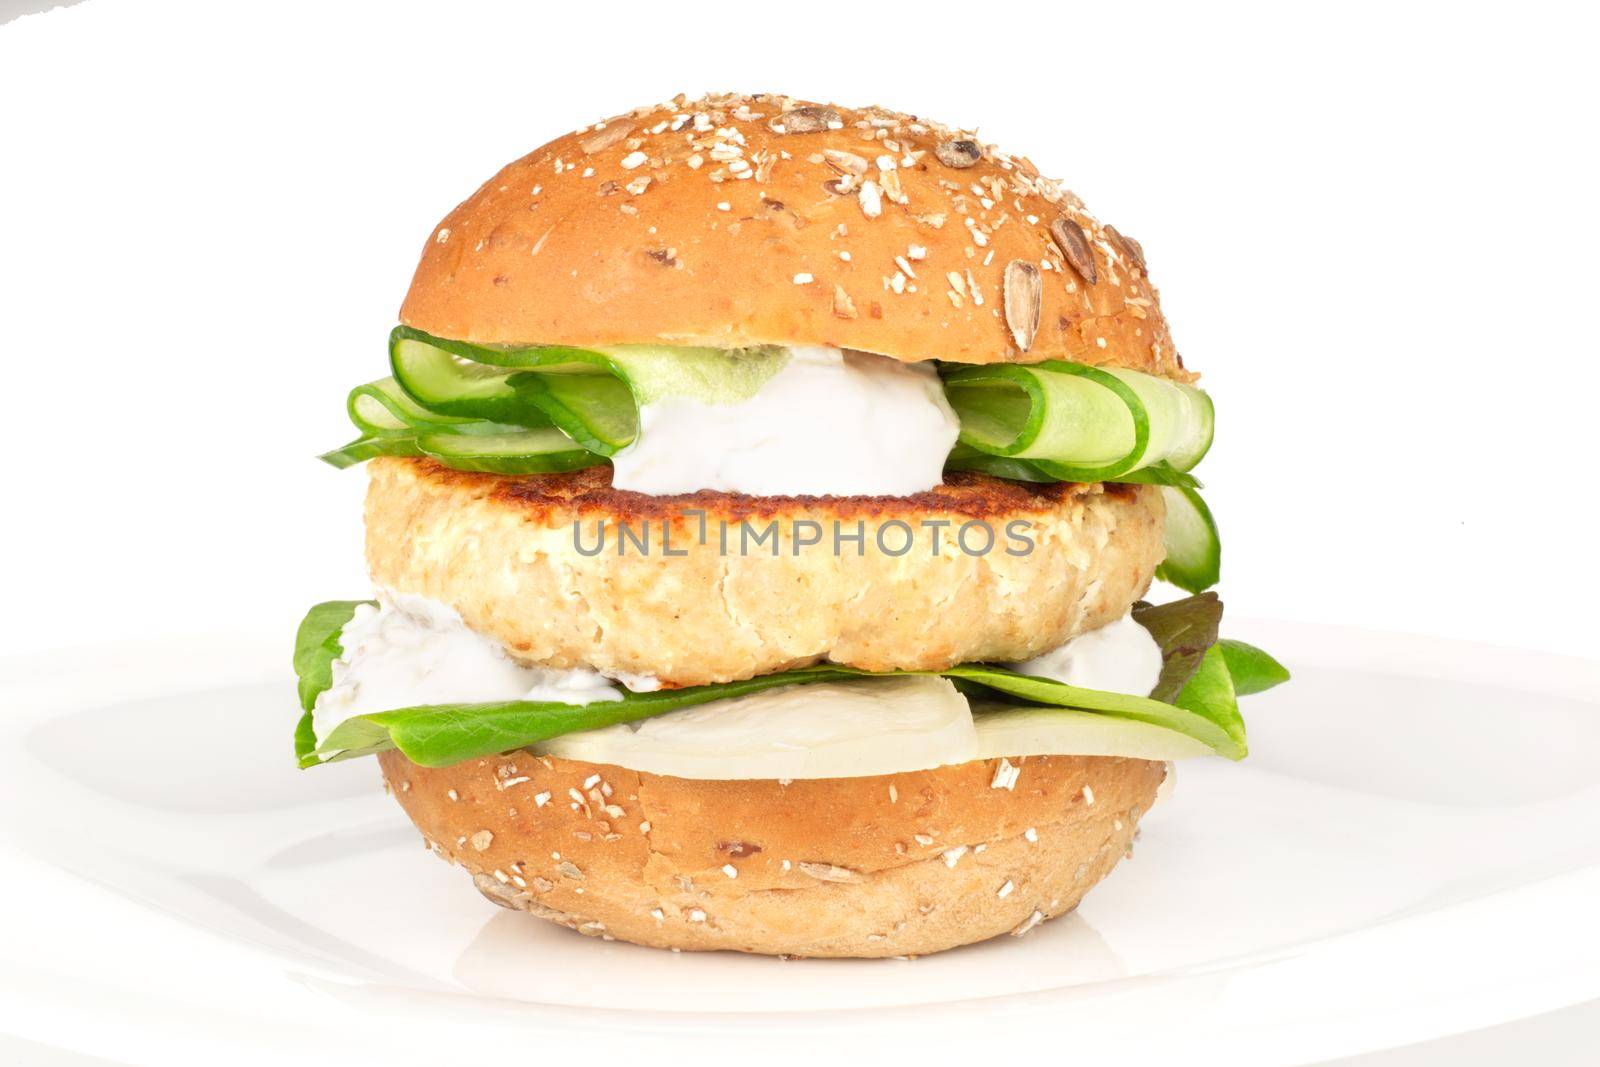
column 443, row 383
column 1160, row 474
column 966, row 458
column 364, row 448
column 594, row 408
column 382, row 409
column 1052, row 421
column 1194, row 551
column 541, row 451
column 1180, row 418
column 1203, row 424
column 589, row 399
column 1065, row 412
column 1073, row 422
column 376, row 408
column 591, row 394
column 710, row 375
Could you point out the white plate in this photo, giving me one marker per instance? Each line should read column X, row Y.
column 1411, row 850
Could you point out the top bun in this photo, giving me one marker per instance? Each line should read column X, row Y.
column 742, row 220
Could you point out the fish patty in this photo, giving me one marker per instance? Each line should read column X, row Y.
column 565, row 571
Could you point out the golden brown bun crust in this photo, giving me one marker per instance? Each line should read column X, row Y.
column 690, row 223
column 500, row 550
column 892, row 865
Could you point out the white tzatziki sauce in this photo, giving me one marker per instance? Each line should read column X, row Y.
column 412, row 650
column 1119, row 657
column 829, row 423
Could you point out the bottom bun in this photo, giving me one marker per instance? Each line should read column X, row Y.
column 892, row 865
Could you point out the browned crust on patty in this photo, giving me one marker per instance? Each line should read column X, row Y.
column 588, row 492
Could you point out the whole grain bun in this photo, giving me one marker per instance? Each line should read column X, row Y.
column 741, row 220
column 500, row 550
column 893, row 865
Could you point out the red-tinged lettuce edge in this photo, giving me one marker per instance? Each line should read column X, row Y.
column 1196, row 695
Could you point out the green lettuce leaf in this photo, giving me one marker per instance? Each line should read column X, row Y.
column 1212, row 722
column 1184, row 629
column 1253, row 670
column 316, row 646
column 437, row 735
column 1195, row 696
column 1210, row 695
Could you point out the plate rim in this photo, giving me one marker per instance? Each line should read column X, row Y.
column 229, row 658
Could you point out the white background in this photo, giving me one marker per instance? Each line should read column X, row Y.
column 1374, row 228
column 1374, row 231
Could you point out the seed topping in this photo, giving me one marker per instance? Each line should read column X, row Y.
column 807, row 119
column 609, row 134
column 845, row 162
column 827, row 872
column 1074, row 245
column 1024, row 295
column 1014, row 227
column 960, row 152
column 1131, row 249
